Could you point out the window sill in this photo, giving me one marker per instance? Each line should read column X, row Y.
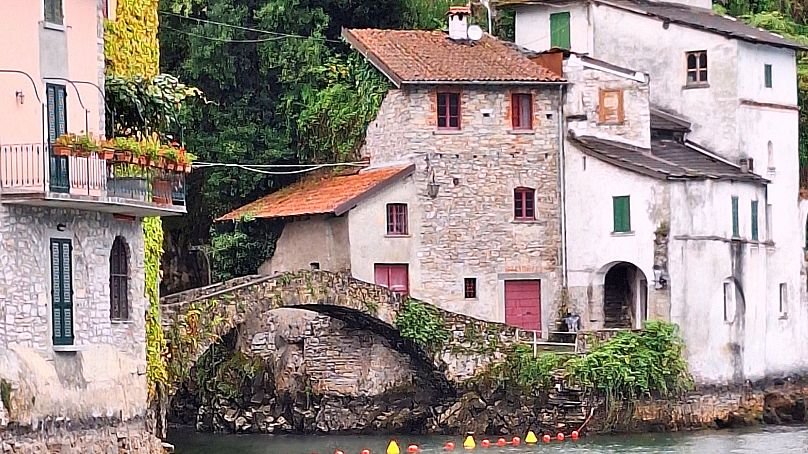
column 522, row 132
column 68, row 348
column 525, row 221
column 629, row 233
column 397, row 236
column 52, row 26
column 122, row 322
column 695, row 86
column 447, row 132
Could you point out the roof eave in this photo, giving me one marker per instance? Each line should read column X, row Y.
column 371, row 57
column 483, row 82
column 349, row 204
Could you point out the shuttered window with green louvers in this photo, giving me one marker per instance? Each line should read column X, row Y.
column 62, row 290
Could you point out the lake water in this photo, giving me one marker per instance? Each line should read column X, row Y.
column 769, row 440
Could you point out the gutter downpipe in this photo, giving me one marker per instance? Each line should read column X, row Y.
column 562, row 184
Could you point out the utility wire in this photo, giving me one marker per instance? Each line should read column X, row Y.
column 223, row 40
column 332, row 164
column 239, row 27
column 252, row 168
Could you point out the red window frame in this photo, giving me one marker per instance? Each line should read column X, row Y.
column 470, row 287
column 445, row 113
column 395, row 276
column 519, row 121
column 397, row 222
column 524, row 204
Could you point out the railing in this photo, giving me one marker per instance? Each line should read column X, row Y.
column 31, row 169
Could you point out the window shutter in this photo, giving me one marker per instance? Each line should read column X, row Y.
column 515, row 109
column 51, row 95
column 62, row 291
column 767, row 69
column 610, row 108
column 560, row 30
column 754, row 220
column 622, row 215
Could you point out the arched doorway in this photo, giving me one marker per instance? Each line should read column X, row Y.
column 625, row 297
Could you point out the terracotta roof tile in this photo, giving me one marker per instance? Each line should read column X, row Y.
column 423, row 56
column 336, row 194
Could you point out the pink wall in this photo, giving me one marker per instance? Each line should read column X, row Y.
column 21, row 25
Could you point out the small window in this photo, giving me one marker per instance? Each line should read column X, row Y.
column 449, row 110
column 767, row 75
column 755, row 220
column 523, row 204
column 697, row 67
column 53, row 12
column 622, row 213
column 610, row 109
column 560, row 30
column 736, row 231
column 522, row 111
column 314, row 266
column 783, row 300
column 470, row 287
column 119, row 281
column 397, row 219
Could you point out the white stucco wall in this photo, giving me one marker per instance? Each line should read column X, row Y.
column 321, row 239
column 533, row 26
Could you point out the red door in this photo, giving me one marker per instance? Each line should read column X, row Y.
column 523, row 304
column 394, row 277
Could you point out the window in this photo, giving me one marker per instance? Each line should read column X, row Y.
column 622, row 213
column 62, row 290
column 767, row 75
column 449, row 110
column 735, row 228
column 53, row 12
column 610, row 109
column 769, row 231
column 697, row 68
column 522, row 111
column 119, row 281
column 314, row 266
column 560, row 30
column 470, row 287
column 783, row 300
column 523, row 204
column 397, row 219
column 755, row 220
column 394, row 277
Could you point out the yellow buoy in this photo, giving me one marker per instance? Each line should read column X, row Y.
column 392, row 448
column 469, row 443
column 530, row 438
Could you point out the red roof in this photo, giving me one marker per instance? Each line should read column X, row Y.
column 335, row 195
column 423, row 56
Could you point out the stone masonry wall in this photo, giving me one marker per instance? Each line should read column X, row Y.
column 469, row 230
column 97, row 437
column 105, row 372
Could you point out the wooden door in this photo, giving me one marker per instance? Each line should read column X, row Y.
column 395, row 277
column 523, row 304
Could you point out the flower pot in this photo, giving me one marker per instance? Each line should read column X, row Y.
column 143, row 160
column 107, row 154
column 62, row 150
column 121, row 156
column 171, row 166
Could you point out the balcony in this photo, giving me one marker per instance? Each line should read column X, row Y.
column 31, row 175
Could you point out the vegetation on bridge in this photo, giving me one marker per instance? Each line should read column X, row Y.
column 423, row 324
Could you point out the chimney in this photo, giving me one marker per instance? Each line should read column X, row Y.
column 458, row 22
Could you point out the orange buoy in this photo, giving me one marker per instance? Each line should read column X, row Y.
column 412, row 448
column 365, row 451
column 560, row 436
column 485, row 443
column 449, row 446
column 501, row 442
column 516, row 441
column 574, row 435
column 546, row 438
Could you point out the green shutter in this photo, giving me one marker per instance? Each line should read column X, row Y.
column 767, row 70
column 735, row 229
column 622, row 213
column 62, row 291
column 754, row 220
column 560, row 30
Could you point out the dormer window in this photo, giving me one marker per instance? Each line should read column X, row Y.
column 448, row 110
column 697, row 67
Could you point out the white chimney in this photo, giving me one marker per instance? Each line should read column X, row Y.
column 458, row 23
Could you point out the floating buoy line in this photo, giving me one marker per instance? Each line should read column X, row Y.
column 469, row 443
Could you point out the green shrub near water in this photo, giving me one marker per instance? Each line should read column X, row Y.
column 421, row 323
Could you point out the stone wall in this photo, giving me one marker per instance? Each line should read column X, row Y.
column 103, row 373
column 468, row 230
column 98, row 436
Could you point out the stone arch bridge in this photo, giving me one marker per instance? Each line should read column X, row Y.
column 198, row 318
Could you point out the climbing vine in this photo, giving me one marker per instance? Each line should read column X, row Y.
column 422, row 323
column 130, row 40
column 156, row 371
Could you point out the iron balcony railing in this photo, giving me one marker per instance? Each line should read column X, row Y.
column 32, row 169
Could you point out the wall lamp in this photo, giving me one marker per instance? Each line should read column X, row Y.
column 61, row 227
column 20, row 97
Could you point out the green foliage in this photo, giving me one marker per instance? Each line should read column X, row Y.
column 156, row 371
column 635, row 364
column 224, row 372
column 130, row 41
column 242, row 250
column 529, row 374
column 422, row 323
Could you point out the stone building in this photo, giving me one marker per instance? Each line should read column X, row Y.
column 72, row 302
column 701, row 225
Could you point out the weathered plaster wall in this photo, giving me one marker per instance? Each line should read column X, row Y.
column 468, row 229
column 321, row 239
column 104, row 375
column 533, row 26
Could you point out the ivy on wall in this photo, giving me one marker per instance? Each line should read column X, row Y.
column 130, row 40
